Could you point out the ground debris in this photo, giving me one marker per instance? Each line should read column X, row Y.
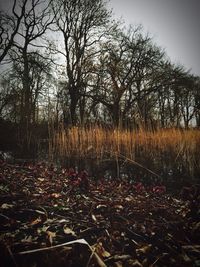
column 59, row 217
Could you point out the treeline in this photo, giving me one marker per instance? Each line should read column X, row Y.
column 69, row 61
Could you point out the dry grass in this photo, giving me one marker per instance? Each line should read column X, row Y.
column 100, row 143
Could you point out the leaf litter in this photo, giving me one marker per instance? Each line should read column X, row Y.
column 59, row 217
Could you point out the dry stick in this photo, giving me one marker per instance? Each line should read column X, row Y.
column 180, row 150
column 118, row 170
column 90, row 258
column 136, row 163
column 4, row 217
column 156, row 261
column 11, row 256
column 80, row 241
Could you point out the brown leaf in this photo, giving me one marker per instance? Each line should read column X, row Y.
column 143, row 250
column 55, row 195
column 119, row 207
column 36, row 221
column 49, row 238
column 118, row 264
column 99, row 249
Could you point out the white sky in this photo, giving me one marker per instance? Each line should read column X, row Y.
column 174, row 25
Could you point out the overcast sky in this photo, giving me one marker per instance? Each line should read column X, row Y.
column 174, row 25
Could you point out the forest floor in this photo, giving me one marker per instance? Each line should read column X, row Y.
column 57, row 217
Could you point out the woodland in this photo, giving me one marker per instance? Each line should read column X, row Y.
column 99, row 142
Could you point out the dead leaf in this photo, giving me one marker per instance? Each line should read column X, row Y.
column 121, row 257
column 99, row 249
column 129, row 198
column 36, row 221
column 101, row 206
column 49, row 237
column 6, row 206
column 56, row 195
column 185, row 258
column 68, row 231
column 144, row 249
column 27, row 239
column 94, row 218
column 119, row 207
column 42, row 230
column 118, row 264
column 134, row 263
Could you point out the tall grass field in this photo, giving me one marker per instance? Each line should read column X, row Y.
column 163, row 150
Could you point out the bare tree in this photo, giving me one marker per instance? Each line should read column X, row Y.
column 196, row 92
column 26, row 56
column 9, row 27
column 9, row 97
column 189, row 100
column 175, row 98
column 126, row 71
column 81, row 23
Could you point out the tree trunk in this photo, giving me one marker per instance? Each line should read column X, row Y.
column 25, row 125
column 73, row 106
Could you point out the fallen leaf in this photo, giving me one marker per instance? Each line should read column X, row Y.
column 56, row 195
column 134, row 263
column 99, row 249
column 118, row 264
column 36, row 221
column 119, row 207
column 6, row 206
column 68, row 231
column 129, row 198
column 49, row 237
column 43, row 229
column 94, row 218
column 27, row 239
column 144, row 249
